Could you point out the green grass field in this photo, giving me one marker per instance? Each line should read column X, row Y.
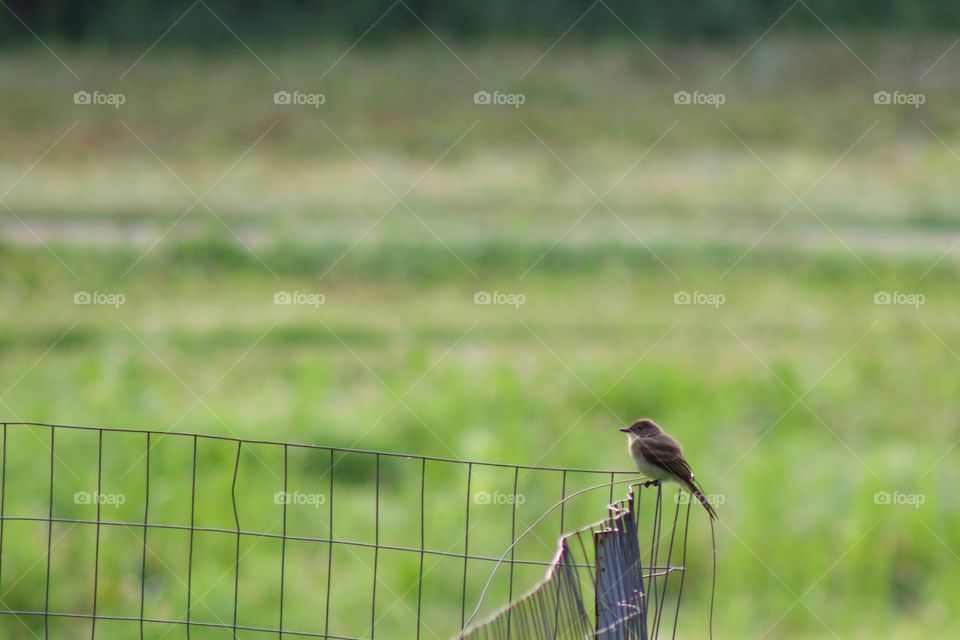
column 797, row 399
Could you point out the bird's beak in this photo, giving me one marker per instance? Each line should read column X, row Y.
column 625, row 429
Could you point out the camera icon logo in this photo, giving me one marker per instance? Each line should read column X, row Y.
column 82, row 497
column 482, row 497
column 882, row 97
column 681, row 97
column 882, row 297
column 482, row 297
column 81, row 97
column 682, row 297
column 282, row 97
column 481, row 97
column 82, row 297
column 282, row 297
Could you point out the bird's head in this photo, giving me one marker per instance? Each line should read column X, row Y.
column 642, row 428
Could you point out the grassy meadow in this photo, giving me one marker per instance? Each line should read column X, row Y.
column 590, row 210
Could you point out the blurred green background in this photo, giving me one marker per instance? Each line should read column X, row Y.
column 810, row 222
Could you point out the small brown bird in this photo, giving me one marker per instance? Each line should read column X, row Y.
column 660, row 457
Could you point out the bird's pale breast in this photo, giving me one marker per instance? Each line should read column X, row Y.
column 646, row 468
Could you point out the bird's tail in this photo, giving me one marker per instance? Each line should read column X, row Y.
column 702, row 499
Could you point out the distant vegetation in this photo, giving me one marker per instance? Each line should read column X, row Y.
column 143, row 21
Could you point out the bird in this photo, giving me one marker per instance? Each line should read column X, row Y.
column 659, row 456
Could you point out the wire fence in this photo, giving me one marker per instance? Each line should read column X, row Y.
column 598, row 585
column 114, row 533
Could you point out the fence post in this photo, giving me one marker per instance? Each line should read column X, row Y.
column 620, row 600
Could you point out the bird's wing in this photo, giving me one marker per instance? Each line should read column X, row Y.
column 665, row 452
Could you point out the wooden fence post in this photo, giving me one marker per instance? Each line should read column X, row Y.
column 620, row 599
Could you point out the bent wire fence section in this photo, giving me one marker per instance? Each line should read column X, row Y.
column 132, row 534
column 597, row 585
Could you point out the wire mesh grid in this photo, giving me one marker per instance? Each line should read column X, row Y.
column 115, row 533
